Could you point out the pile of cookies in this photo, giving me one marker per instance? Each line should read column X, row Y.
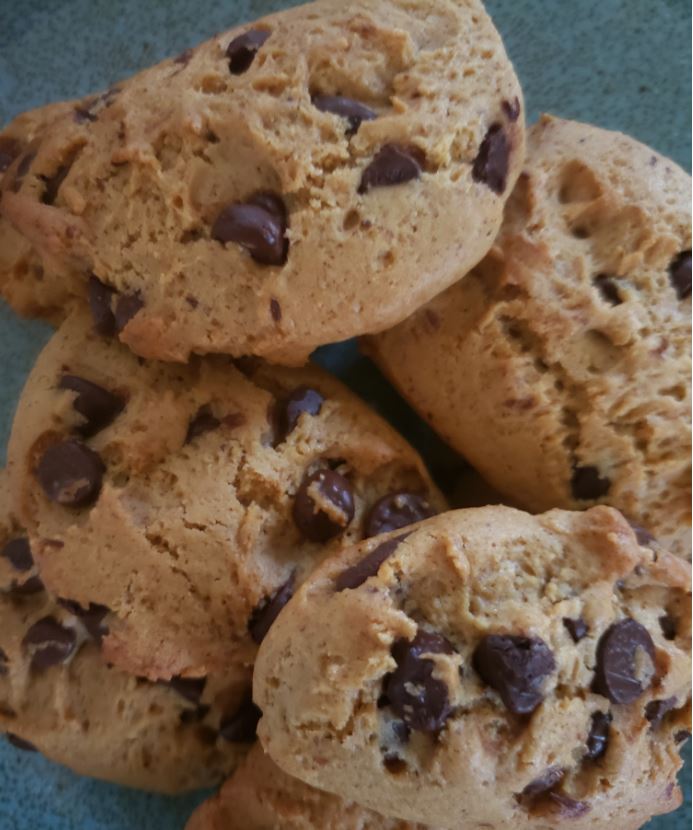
column 217, row 562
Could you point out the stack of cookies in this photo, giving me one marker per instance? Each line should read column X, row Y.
column 217, row 562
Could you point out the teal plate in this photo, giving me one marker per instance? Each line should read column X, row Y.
column 623, row 64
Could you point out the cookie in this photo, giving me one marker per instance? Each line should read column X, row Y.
column 191, row 500
column 488, row 668
column 260, row 796
column 342, row 159
column 560, row 367
column 58, row 696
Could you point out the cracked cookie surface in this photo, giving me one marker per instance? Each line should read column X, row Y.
column 343, row 158
column 560, row 367
column 488, row 668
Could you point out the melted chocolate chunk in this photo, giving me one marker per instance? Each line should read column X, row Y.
column 549, row 780
column 96, row 405
column 92, row 617
column 418, row 698
column 491, row 164
column 680, row 275
column 241, row 727
column 18, row 554
column 101, row 306
column 49, row 643
column 323, row 506
column 598, row 738
column 516, row 667
column 511, row 109
column 656, row 710
column 126, row 307
column 369, row 566
column 263, row 617
column 70, row 474
column 289, row 410
column 353, row 111
column 620, row 674
column 242, row 50
column 258, row 225
column 588, row 485
column 392, row 165
column 396, row 510
column 30, row 586
column 576, row 628
column 203, row 422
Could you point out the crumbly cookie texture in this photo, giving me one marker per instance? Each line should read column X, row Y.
column 490, row 669
column 260, row 796
column 58, row 695
column 342, row 158
column 560, row 367
column 191, row 500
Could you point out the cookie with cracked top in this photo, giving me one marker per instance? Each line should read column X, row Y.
column 417, row 670
column 343, row 158
column 565, row 355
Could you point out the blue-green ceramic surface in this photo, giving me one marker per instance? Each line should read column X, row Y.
column 623, row 64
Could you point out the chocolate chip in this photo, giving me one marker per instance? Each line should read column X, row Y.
column 396, row 510
column 53, row 183
column 83, row 114
column 680, row 275
column 568, row 807
column 353, row 111
column 417, row 697
column 275, row 310
column 608, row 289
column 258, row 225
column 668, row 625
column 18, row 553
column 619, row 674
column 96, row 405
column 242, row 49
column 392, row 165
column 23, row 168
column 491, row 164
column 28, row 588
column 302, row 400
column 577, row 628
column 49, row 643
column 323, row 506
column 682, row 735
column 241, row 727
column 126, row 307
column 184, row 58
column 598, row 738
column 588, row 485
column 548, row 780
column 656, row 710
column 511, row 109
column 100, row 303
column 190, row 688
column 92, row 617
column 267, row 611
column 10, row 148
column 203, row 422
column 4, row 663
column 516, row 667
column 70, row 473
column 369, row 566
column 20, row 743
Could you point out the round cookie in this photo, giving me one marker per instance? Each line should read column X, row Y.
column 58, row 696
column 490, row 669
column 560, row 367
column 191, row 500
column 345, row 159
column 260, row 796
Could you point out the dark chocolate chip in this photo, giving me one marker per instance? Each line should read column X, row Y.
column 258, row 225
column 28, row 588
column 323, row 506
column 10, row 148
column 53, row 183
column 577, row 628
column 598, row 738
column 242, row 49
column 82, row 114
column 241, row 727
column 96, row 405
column 588, row 485
column 511, row 109
column 392, row 165
column 100, row 303
column 4, row 662
column 275, row 310
column 568, row 807
column 23, row 168
column 516, row 667
column 302, row 400
column 353, row 111
column 18, row 553
column 616, row 675
column 396, row 510
column 668, row 626
column 70, row 473
column 656, row 710
column 126, row 307
column 417, row 697
column 491, row 164
column 608, row 288
column 267, row 611
column 184, row 58
column 190, row 688
column 369, row 566
column 682, row 735
column 203, row 422
column 20, row 743
column 92, row 617
column 680, row 275
column 547, row 781
column 49, row 643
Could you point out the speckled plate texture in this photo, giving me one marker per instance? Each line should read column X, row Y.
column 622, row 64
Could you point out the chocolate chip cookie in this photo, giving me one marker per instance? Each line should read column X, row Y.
column 190, row 501
column 488, row 668
column 343, row 158
column 260, row 796
column 58, row 695
column 560, row 367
